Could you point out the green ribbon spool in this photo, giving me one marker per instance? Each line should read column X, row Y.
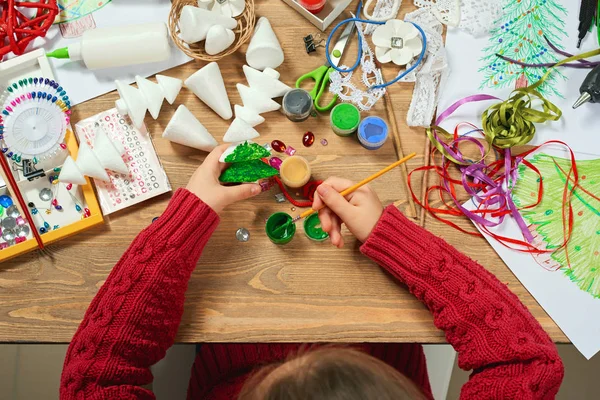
column 512, row 122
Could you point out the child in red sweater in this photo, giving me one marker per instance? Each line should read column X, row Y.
column 133, row 319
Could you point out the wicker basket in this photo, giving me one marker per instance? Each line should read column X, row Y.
column 243, row 32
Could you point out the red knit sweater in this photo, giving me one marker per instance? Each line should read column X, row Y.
column 133, row 319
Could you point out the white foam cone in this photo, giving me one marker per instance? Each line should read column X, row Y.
column 248, row 115
column 184, row 128
column 70, row 173
column 239, row 131
column 218, row 39
column 207, row 83
column 89, row 164
column 272, row 73
column 256, row 100
column 264, row 49
column 107, row 153
column 153, row 93
column 132, row 103
column 263, row 82
column 195, row 22
column 170, row 87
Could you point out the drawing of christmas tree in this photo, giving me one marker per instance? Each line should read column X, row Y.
column 580, row 259
column 520, row 35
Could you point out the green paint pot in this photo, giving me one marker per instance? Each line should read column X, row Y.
column 282, row 236
column 310, row 228
column 344, row 119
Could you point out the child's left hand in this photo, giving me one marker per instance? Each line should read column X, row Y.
column 205, row 184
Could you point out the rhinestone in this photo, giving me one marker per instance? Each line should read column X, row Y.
column 242, row 235
column 13, row 211
column 46, row 194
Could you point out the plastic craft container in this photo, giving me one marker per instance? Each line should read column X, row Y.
column 281, row 236
column 344, row 119
column 372, row 133
column 311, row 229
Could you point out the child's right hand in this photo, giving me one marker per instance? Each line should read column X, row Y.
column 359, row 211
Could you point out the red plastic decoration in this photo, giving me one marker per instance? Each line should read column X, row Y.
column 308, row 139
column 23, row 21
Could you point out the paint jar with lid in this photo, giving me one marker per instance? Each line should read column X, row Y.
column 295, row 171
column 281, row 235
column 297, row 105
column 344, row 119
column 313, row 6
column 313, row 230
column 372, row 133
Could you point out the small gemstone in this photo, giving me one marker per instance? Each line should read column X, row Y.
column 154, row 219
column 275, row 162
column 46, row 225
column 43, row 230
column 280, row 198
column 63, row 146
column 77, row 207
column 293, row 209
column 55, row 227
column 20, row 221
column 69, row 186
column 267, row 147
column 58, row 208
column 324, row 142
column 34, row 211
column 308, row 139
column 290, row 151
column 242, row 235
column 278, row 146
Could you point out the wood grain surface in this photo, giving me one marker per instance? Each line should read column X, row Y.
column 254, row 291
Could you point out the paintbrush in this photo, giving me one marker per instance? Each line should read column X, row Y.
column 348, row 191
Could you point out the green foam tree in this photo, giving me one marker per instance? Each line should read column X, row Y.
column 247, row 165
column 519, row 34
column 580, row 259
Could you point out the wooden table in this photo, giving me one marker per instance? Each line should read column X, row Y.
column 253, row 291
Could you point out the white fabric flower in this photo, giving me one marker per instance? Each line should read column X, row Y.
column 229, row 8
column 397, row 41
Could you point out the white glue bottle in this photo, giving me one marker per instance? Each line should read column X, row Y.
column 119, row 46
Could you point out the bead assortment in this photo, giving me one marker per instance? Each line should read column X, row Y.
column 14, row 228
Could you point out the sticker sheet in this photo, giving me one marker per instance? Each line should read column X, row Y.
column 146, row 178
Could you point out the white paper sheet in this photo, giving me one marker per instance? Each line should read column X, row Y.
column 574, row 128
column 82, row 84
column 573, row 310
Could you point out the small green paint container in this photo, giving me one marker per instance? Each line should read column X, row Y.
column 282, row 236
column 310, row 228
column 344, row 119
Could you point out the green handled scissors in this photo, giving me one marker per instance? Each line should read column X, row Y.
column 321, row 75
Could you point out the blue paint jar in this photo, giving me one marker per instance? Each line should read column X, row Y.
column 372, row 133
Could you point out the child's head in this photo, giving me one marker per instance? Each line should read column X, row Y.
column 330, row 374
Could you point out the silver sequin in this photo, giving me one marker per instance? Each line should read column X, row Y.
column 242, row 235
column 45, row 194
column 9, row 223
column 13, row 211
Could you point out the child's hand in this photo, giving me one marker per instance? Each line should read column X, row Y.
column 360, row 211
column 205, row 184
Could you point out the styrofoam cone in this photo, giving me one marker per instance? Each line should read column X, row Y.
column 184, row 128
column 268, row 85
column 107, row 153
column 218, row 39
column 70, row 173
column 195, row 22
column 264, row 50
column 170, row 87
column 273, row 73
column 248, row 115
column 132, row 103
column 256, row 100
column 153, row 93
column 207, row 83
column 88, row 163
column 239, row 131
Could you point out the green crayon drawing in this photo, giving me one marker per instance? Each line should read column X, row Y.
column 580, row 259
column 519, row 34
column 71, row 10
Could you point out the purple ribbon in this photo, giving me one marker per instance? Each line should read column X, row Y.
column 478, row 172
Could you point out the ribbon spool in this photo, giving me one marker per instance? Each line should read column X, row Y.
column 17, row 30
